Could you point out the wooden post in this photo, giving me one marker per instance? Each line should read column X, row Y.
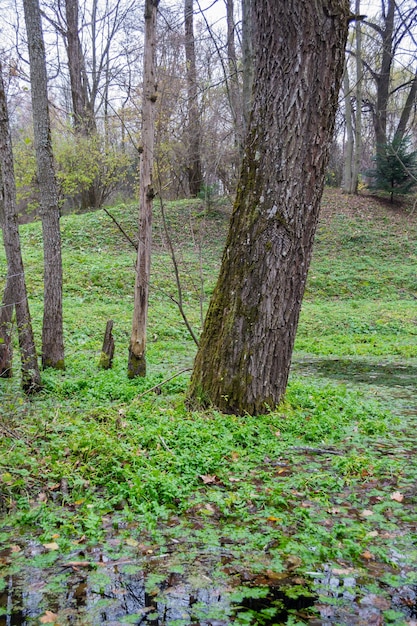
column 107, row 351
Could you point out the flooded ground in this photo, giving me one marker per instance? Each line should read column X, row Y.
column 92, row 586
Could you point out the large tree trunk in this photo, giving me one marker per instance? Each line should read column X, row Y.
column 52, row 330
column 137, row 346
column 193, row 128
column 243, row 361
column 15, row 291
column 383, row 79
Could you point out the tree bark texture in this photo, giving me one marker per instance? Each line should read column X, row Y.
column 15, row 292
column 84, row 120
column 234, row 91
column 137, row 346
column 52, row 329
column 243, row 361
column 6, row 314
column 347, row 183
column 195, row 177
column 247, row 60
column 359, row 89
column 383, row 79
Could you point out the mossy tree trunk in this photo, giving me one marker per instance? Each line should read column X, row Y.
column 137, row 346
column 15, row 294
column 243, row 360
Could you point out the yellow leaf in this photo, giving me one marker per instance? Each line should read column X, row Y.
column 367, row 555
column 51, row 546
column 6, row 478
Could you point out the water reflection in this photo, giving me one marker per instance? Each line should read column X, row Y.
column 386, row 374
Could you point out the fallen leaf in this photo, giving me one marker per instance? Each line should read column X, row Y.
column 397, row 496
column 277, row 433
column 209, row 479
column 367, row 555
column 15, row 548
column 334, row 510
column 233, row 479
column 271, row 518
column 208, row 509
column 373, row 533
column 366, row 513
column 51, row 546
column 345, row 571
column 48, row 618
column 76, row 564
column 235, row 456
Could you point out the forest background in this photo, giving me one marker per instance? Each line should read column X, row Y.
column 72, row 441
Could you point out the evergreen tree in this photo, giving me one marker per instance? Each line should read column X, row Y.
column 396, row 168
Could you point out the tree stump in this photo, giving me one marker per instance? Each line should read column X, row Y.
column 107, row 351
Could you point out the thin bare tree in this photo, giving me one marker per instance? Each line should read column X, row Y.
column 137, row 346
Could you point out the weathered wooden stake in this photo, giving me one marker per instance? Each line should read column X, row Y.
column 107, row 351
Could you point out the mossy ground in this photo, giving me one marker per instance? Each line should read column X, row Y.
column 324, row 483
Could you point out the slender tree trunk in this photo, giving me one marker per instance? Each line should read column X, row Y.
column 195, row 177
column 6, row 314
column 359, row 87
column 82, row 104
column 244, row 355
column 137, row 347
column 7, row 306
column 235, row 96
column 406, row 112
column 247, row 60
column 349, row 144
column 15, row 292
column 84, row 120
column 52, row 329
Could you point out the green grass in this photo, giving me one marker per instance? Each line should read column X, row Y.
column 95, row 457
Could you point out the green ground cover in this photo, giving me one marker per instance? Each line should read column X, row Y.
column 324, row 483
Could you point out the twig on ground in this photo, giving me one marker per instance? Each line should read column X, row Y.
column 309, row 450
column 155, row 387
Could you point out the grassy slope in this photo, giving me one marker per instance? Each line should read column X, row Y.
column 91, row 448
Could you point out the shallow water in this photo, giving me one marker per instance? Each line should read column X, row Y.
column 90, row 588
